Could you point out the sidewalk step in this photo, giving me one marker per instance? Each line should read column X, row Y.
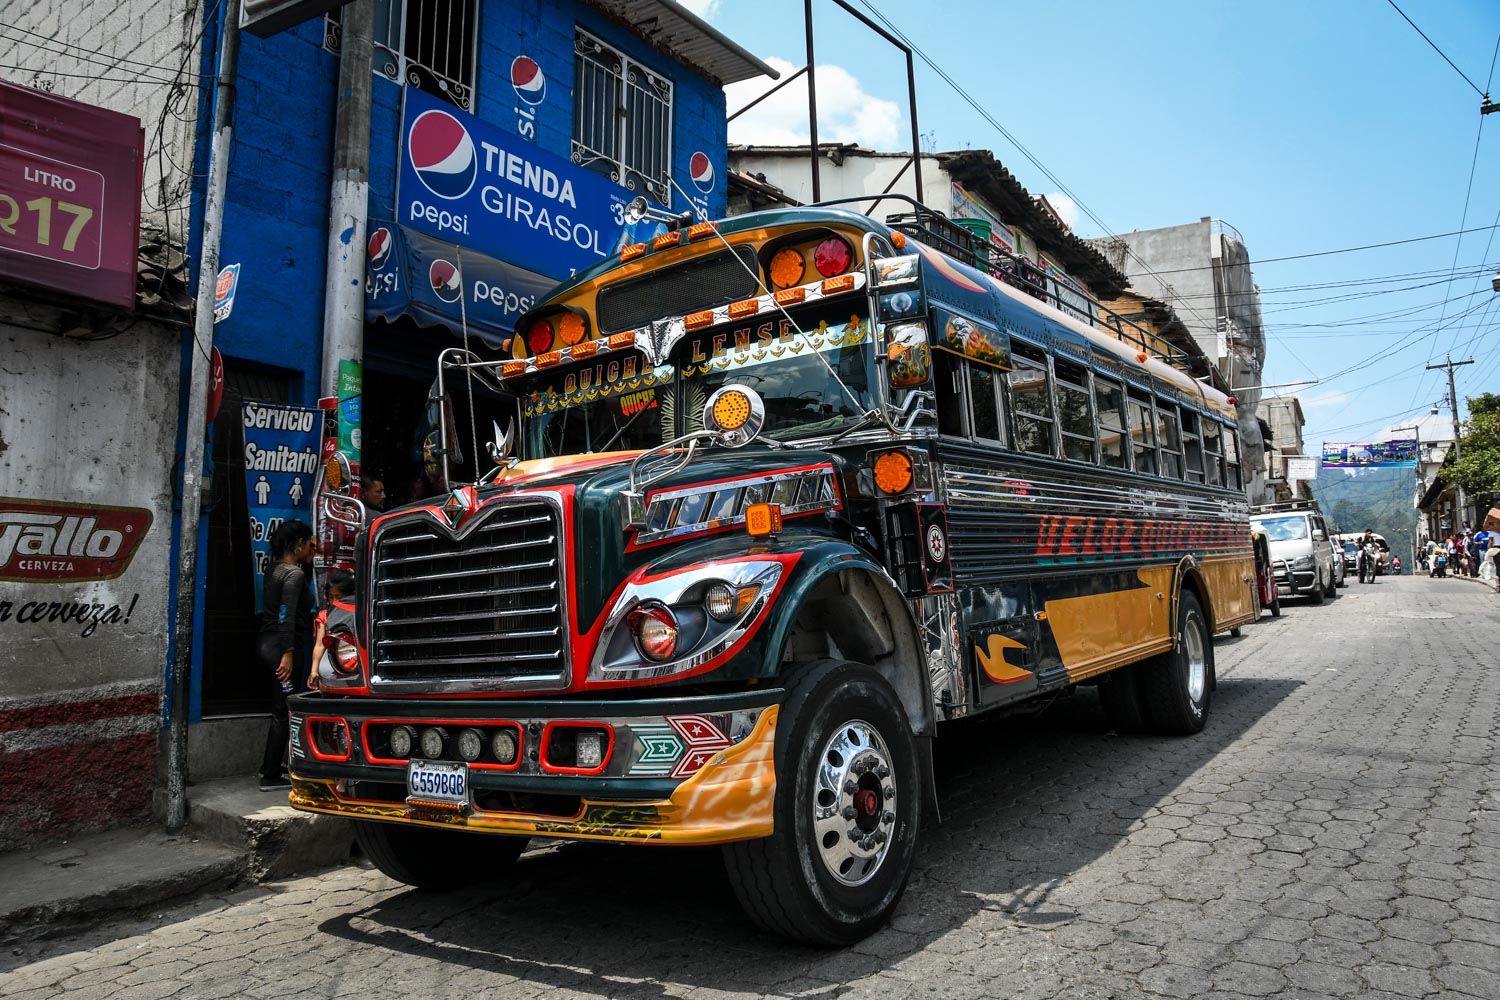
column 64, row 887
column 277, row 839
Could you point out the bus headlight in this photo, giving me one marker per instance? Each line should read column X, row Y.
column 679, row 622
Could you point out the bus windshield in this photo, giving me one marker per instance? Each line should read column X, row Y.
column 814, row 382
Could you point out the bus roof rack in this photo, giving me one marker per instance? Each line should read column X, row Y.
column 1285, row 506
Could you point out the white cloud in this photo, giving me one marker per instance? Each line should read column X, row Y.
column 846, row 113
column 1065, row 207
column 1327, row 399
column 705, row 9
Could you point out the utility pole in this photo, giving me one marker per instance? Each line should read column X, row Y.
column 344, row 283
column 1450, row 364
column 195, row 431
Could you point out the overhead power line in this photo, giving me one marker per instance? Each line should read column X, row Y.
column 1329, row 253
column 1439, row 51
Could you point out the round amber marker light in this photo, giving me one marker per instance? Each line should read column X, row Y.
column 731, row 410
column 570, row 328
column 333, row 475
column 893, row 472
column 786, row 268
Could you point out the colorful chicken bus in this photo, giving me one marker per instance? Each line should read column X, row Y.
column 785, row 493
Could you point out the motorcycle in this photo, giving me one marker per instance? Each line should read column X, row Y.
column 1369, row 562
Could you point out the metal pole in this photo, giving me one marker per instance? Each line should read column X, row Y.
column 1458, row 453
column 197, row 413
column 916, row 137
column 344, row 285
column 812, row 103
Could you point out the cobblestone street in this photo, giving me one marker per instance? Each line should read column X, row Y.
column 1335, row 832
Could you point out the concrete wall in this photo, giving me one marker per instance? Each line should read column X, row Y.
column 852, row 176
column 85, row 428
column 124, row 55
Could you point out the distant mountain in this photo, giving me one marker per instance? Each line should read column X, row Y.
column 1383, row 500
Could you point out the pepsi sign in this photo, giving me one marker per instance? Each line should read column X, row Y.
column 474, row 184
column 436, row 284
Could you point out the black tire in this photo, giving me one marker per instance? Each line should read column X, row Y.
column 1276, row 606
column 786, row 882
column 436, row 859
column 1316, row 594
column 1236, row 632
column 1123, row 701
column 1171, row 701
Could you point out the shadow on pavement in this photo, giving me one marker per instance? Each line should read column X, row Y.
column 1027, row 802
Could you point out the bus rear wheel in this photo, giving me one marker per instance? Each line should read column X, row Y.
column 429, row 858
column 848, row 804
column 1178, row 683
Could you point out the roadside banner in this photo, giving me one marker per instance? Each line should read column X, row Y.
column 1370, row 454
column 281, row 467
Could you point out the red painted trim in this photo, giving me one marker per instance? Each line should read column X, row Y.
column 609, row 748
column 62, row 713
column 312, row 743
column 417, row 724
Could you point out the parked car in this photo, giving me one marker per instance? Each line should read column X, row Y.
column 1351, row 557
column 1301, row 556
column 1336, row 559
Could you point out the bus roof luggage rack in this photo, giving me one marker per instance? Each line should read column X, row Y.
column 1285, row 506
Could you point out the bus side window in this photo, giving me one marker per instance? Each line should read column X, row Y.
column 1213, row 452
column 1030, row 400
column 1143, row 433
column 1192, row 446
column 1074, row 411
column 1110, row 395
column 948, row 386
column 1171, row 440
column 1232, row 460
column 984, row 403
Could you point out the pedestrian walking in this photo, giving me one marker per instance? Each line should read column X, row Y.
column 283, row 634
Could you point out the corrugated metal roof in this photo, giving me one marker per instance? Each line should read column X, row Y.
column 685, row 34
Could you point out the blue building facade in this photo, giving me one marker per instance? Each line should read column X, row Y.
column 623, row 93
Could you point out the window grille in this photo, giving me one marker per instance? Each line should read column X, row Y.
column 622, row 119
column 427, row 44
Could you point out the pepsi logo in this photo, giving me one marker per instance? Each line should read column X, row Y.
column 380, row 248
column 446, row 283
column 528, row 80
column 701, row 170
column 442, row 154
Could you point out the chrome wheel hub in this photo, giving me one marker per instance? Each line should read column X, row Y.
column 854, row 803
column 1197, row 662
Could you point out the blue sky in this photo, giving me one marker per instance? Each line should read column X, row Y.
column 1309, row 126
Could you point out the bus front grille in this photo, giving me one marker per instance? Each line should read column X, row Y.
column 481, row 610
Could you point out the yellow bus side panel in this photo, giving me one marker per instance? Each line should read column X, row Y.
column 1098, row 632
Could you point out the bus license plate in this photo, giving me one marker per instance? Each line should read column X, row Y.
column 437, row 781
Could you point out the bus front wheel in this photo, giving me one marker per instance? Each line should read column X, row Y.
column 1178, row 683
column 848, row 804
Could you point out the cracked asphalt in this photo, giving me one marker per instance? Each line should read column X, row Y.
column 1335, row 832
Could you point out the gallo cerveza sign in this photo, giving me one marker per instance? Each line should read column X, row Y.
column 471, row 183
column 50, row 541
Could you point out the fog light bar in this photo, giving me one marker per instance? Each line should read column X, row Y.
column 470, row 744
column 590, row 753
column 505, row 747
column 401, row 740
column 432, row 744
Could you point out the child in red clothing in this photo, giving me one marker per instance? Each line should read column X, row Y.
column 340, row 587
